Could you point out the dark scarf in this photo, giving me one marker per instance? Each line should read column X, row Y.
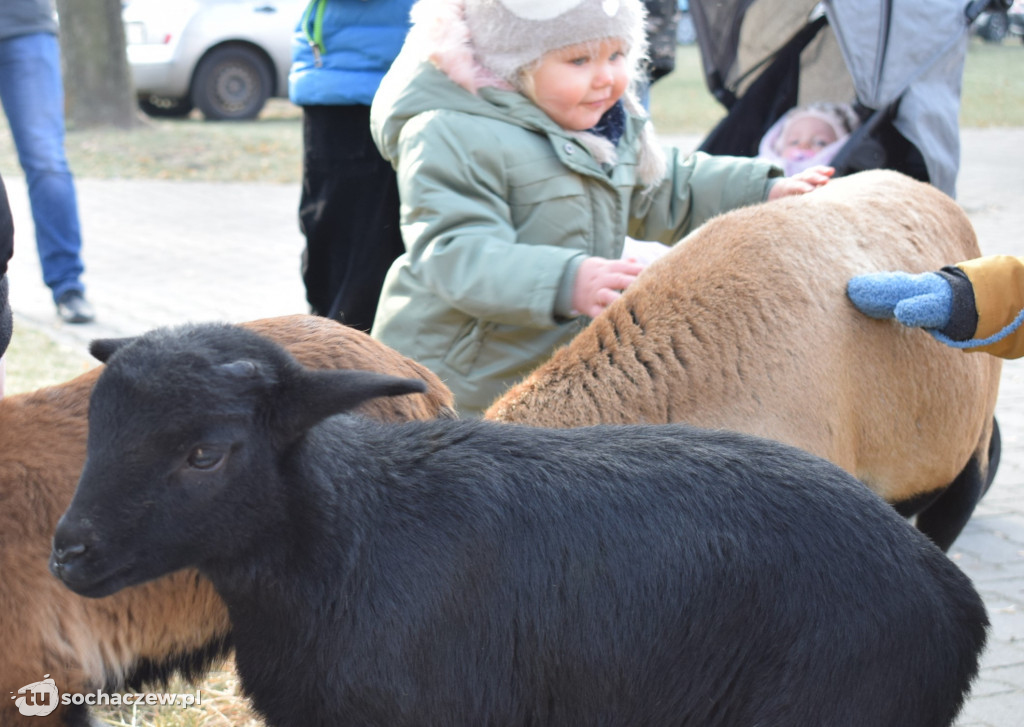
column 613, row 124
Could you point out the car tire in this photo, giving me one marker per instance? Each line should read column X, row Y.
column 166, row 108
column 232, row 83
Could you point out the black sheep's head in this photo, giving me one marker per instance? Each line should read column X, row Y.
column 186, row 430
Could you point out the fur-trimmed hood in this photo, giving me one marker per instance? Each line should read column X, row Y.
column 441, row 36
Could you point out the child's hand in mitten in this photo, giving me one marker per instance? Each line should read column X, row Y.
column 924, row 300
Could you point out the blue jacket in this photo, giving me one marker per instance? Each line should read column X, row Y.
column 358, row 41
column 23, row 17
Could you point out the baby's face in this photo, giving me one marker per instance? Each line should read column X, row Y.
column 804, row 137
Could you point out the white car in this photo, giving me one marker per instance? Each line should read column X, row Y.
column 225, row 57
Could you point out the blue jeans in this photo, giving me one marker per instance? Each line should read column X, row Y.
column 32, row 94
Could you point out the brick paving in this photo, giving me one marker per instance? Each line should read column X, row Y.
column 160, row 253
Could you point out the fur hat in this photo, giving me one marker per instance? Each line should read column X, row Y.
column 509, row 35
column 441, row 33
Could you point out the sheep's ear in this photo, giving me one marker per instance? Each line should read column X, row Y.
column 103, row 348
column 317, row 395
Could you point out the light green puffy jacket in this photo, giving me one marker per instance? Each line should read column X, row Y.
column 499, row 207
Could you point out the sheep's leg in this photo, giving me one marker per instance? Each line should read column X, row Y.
column 943, row 519
column 995, row 449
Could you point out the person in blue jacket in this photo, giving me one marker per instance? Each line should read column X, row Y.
column 348, row 211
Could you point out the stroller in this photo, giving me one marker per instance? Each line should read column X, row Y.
column 899, row 64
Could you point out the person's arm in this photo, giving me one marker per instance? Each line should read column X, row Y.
column 697, row 187
column 975, row 305
column 800, row 183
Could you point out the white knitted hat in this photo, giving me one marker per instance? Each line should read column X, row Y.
column 840, row 117
column 508, row 35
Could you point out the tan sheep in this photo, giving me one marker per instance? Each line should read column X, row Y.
column 173, row 624
column 745, row 325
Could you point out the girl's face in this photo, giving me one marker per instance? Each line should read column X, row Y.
column 575, row 85
column 805, row 137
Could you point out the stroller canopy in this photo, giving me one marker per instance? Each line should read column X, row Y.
column 904, row 59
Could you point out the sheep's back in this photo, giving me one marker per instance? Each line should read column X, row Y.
column 745, row 325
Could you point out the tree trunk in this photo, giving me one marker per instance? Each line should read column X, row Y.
column 97, row 81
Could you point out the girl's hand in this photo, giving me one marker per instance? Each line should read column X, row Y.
column 802, row 183
column 599, row 281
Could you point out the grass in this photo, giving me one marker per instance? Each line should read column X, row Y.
column 680, row 102
column 270, row 150
column 34, row 359
column 993, row 90
column 221, row 706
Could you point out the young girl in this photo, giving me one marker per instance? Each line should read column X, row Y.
column 523, row 163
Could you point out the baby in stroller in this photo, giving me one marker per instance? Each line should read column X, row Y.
column 806, row 136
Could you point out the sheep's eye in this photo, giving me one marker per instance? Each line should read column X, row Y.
column 205, row 457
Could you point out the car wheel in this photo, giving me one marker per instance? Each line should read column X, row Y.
column 167, row 108
column 232, row 83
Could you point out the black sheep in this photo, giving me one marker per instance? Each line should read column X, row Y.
column 473, row 573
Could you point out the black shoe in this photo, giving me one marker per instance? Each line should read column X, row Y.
column 72, row 307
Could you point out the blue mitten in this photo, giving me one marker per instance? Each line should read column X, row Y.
column 923, row 300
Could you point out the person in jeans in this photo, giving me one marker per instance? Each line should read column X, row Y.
column 32, row 93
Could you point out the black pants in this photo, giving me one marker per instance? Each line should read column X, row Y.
column 348, row 213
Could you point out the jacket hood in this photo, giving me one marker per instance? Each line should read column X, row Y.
column 440, row 34
column 439, row 49
column 448, row 42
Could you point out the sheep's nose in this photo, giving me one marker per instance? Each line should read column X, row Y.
column 62, row 555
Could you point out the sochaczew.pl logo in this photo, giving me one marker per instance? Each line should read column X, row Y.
column 41, row 698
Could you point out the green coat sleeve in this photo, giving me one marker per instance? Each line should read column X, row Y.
column 697, row 187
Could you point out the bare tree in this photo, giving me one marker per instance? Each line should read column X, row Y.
column 97, row 81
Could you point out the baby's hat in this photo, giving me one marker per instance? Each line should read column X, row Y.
column 839, row 116
column 510, row 34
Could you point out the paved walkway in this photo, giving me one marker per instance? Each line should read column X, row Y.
column 160, row 253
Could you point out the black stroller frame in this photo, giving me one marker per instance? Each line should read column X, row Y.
column 923, row 142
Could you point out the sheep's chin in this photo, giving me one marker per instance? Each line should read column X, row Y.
column 86, row 580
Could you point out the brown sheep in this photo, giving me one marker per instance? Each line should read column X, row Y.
column 745, row 325
column 145, row 633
